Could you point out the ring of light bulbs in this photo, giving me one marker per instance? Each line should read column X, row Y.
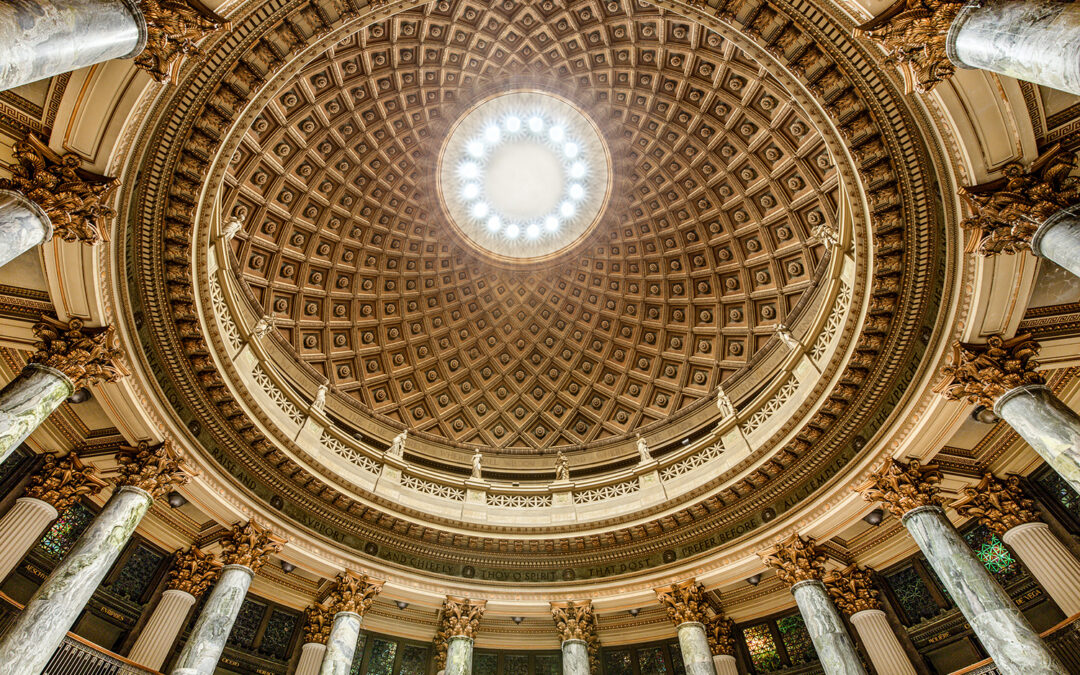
column 537, row 126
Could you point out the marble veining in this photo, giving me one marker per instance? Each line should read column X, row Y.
column 831, row 640
column 697, row 657
column 459, row 656
column 342, row 644
column 22, row 226
column 204, row 646
column 1049, row 426
column 26, row 401
column 1058, row 239
column 575, row 657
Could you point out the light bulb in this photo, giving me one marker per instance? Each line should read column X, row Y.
column 566, row 210
column 469, row 170
column 551, row 223
column 513, row 124
column 571, row 150
column 492, row 134
column 532, row 231
column 557, row 134
column 577, row 170
column 475, row 149
column 512, row 231
column 494, row 224
column 470, row 191
column 480, row 210
column 576, row 191
column 536, row 125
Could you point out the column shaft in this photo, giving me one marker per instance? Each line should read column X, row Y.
column 1003, row 631
column 725, row 664
column 207, row 640
column 1053, row 565
column 696, row 655
column 575, row 657
column 26, row 401
column 1058, row 239
column 311, row 657
column 159, row 634
column 1034, row 40
column 42, row 38
column 341, row 646
column 42, row 625
column 23, row 225
column 1049, row 426
column 885, row 651
column 831, row 640
column 459, row 655
column 20, row 529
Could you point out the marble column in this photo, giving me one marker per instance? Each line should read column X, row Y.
column 42, row 625
column 1058, row 239
column 696, row 655
column 311, row 657
column 1053, row 565
column 1034, row 40
column 42, row 38
column 725, row 664
column 342, row 644
column 881, row 644
column 20, row 529
column 831, row 640
column 23, row 225
column 459, row 655
column 157, row 637
column 1049, row 426
column 27, row 400
column 207, row 640
column 575, row 657
column 1001, row 628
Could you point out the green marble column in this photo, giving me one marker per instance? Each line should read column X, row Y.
column 23, row 225
column 831, row 640
column 575, row 657
column 696, row 655
column 459, row 651
column 1050, row 427
column 341, row 646
column 27, row 400
column 207, row 640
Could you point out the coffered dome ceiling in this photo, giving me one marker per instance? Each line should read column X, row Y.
column 736, row 137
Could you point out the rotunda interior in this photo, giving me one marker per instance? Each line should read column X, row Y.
column 528, row 337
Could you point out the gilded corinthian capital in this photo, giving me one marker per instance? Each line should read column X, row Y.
column 62, row 481
column 683, row 601
column 84, row 355
column 575, row 620
column 249, row 545
column 913, row 33
column 852, row 589
column 903, row 486
column 982, row 373
column 173, row 27
column 353, row 593
column 75, row 200
column 998, row 504
column 193, row 571
column 795, row 559
column 317, row 623
column 461, row 617
column 1007, row 211
column 720, row 632
column 157, row 469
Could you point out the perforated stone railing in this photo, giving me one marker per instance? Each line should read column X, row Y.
column 518, row 501
column 432, row 488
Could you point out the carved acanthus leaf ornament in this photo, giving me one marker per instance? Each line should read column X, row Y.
column 249, row 545
column 982, row 373
column 1007, row 211
column 913, row 33
column 719, row 631
column 173, row 27
column 575, row 620
column 795, row 559
column 84, row 355
column 683, row 601
column 903, row 486
column 317, row 624
column 62, row 481
column 354, row 593
column 74, row 199
column 460, row 618
column 157, row 469
column 998, row 504
column 852, row 589
column 193, row 571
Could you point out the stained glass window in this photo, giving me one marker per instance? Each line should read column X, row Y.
column 651, row 661
column 65, row 530
column 675, row 652
column 279, row 633
column 762, row 648
column 382, row 657
column 515, row 664
column 796, row 639
column 548, row 664
column 912, row 594
column 358, row 655
column 486, row 664
column 247, row 624
column 992, row 552
column 414, row 661
column 137, row 573
column 1057, row 487
column 618, row 663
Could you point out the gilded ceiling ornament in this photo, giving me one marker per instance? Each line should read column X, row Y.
column 353, row 593
column 193, row 571
column 173, row 28
column 913, row 33
column 852, row 589
column 982, row 373
column 719, row 631
column 1007, row 211
column 318, row 619
column 903, row 486
column 157, row 469
column 683, row 601
column 999, row 504
column 74, row 199
column 62, row 481
column 249, row 545
column 84, row 355
column 575, row 620
column 795, row 559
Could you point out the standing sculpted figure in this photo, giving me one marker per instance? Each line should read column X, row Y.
column 477, row 458
column 263, row 327
column 724, row 404
column 562, row 467
column 643, row 450
column 320, row 398
column 231, row 227
column 397, row 447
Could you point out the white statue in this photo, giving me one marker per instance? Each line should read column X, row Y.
column 477, row 458
column 643, row 450
column 397, row 446
column 724, row 404
column 562, row 467
column 320, row 398
column 232, row 226
column 784, row 333
column 828, row 237
column 263, row 327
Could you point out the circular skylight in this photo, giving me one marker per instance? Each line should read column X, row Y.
column 524, row 175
